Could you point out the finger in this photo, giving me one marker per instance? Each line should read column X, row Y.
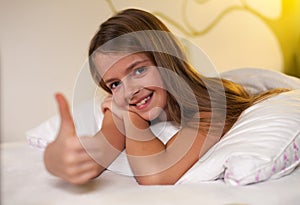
column 87, row 165
column 67, row 125
column 89, row 170
column 106, row 104
column 85, row 177
column 77, row 159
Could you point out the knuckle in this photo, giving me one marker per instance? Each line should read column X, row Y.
column 70, row 174
column 69, row 159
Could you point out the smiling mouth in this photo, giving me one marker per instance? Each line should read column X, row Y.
column 143, row 101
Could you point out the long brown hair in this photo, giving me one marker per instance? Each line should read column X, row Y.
column 140, row 31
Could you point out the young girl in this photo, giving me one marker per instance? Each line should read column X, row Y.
column 145, row 71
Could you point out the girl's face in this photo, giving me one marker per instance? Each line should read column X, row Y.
column 135, row 83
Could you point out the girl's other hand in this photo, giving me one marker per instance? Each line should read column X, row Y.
column 109, row 104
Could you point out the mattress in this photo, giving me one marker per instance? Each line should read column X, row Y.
column 24, row 180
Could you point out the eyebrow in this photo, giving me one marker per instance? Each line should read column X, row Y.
column 128, row 69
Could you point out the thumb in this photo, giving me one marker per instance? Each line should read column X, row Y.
column 67, row 127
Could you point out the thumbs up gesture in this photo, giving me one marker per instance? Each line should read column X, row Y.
column 65, row 157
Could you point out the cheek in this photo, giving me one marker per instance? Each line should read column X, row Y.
column 163, row 97
column 119, row 99
column 153, row 80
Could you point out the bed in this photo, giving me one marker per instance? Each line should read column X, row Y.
column 237, row 170
column 25, row 181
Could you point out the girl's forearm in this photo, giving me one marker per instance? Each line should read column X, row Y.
column 140, row 141
column 142, row 148
column 147, row 155
column 153, row 162
column 113, row 130
column 109, row 141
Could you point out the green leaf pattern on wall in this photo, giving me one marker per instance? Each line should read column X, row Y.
column 285, row 27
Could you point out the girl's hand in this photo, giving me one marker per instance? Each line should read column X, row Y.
column 109, row 104
column 66, row 157
column 106, row 104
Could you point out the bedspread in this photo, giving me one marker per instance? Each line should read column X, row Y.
column 24, row 180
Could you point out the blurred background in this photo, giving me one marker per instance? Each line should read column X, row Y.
column 44, row 44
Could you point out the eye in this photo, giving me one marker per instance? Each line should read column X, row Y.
column 114, row 85
column 140, row 70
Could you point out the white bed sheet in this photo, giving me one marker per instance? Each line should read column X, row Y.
column 24, row 180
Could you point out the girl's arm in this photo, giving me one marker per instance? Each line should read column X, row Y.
column 155, row 163
column 108, row 143
column 78, row 160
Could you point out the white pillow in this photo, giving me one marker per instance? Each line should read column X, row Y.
column 256, row 80
column 87, row 124
column 264, row 143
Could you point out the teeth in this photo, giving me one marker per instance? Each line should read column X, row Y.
column 143, row 101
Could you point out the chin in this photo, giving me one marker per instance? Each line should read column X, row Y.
column 154, row 114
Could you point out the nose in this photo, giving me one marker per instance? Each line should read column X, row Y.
column 131, row 88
